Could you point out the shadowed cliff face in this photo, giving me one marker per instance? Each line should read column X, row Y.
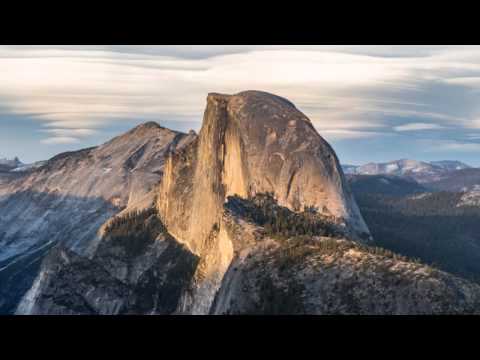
column 250, row 143
column 138, row 268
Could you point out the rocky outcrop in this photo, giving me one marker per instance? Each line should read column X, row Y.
column 328, row 276
column 315, row 270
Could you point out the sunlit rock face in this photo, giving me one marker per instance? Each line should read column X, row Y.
column 250, row 143
column 255, row 142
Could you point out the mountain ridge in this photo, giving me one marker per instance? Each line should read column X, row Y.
column 420, row 171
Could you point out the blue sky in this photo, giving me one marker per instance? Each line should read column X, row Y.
column 372, row 103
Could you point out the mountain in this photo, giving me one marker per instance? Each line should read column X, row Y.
column 28, row 167
column 71, row 196
column 14, row 165
column 349, row 169
column 252, row 216
column 450, row 165
column 420, row 171
column 9, row 164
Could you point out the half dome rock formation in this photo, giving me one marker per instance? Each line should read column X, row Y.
column 253, row 215
column 250, row 143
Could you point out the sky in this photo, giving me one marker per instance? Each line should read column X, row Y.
column 371, row 103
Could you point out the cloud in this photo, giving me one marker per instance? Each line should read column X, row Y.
column 452, row 146
column 59, row 140
column 417, row 126
column 348, row 134
column 66, row 136
column 70, row 132
column 349, row 92
column 462, row 147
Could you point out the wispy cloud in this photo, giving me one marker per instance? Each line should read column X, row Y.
column 462, row 147
column 59, row 140
column 349, row 134
column 349, row 92
column 451, row 146
column 417, row 126
column 70, row 132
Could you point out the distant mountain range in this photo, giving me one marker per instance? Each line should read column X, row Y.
column 402, row 177
column 15, row 165
column 9, row 164
column 420, row 171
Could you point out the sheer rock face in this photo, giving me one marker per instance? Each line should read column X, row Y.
column 252, row 142
column 70, row 198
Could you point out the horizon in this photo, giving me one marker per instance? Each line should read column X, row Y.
column 371, row 103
